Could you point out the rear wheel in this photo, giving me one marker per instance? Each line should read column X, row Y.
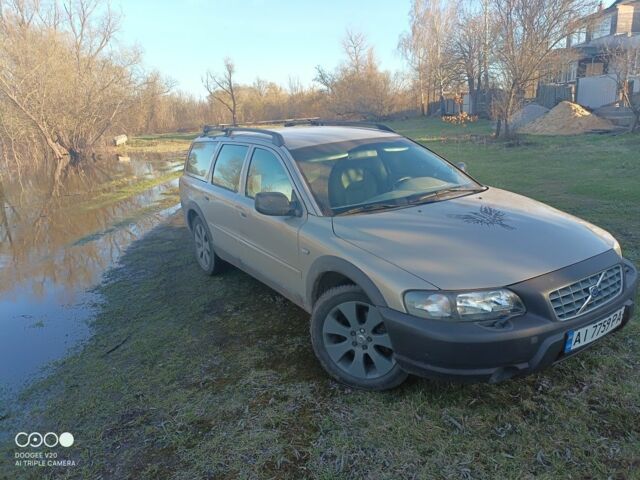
column 206, row 256
column 351, row 342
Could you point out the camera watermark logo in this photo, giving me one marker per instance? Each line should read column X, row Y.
column 49, row 439
column 37, row 449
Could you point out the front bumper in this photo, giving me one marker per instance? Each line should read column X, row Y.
column 492, row 352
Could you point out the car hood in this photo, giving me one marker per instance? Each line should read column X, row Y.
column 490, row 239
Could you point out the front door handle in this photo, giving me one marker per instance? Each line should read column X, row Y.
column 206, row 197
column 243, row 214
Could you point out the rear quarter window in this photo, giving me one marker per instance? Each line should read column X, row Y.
column 199, row 159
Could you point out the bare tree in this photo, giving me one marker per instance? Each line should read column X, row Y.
column 528, row 34
column 486, row 48
column 60, row 72
column 221, row 88
column 623, row 67
column 471, row 52
column 356, row 48
column 151, row 112
column 357, row 88
column 427, row 46
column 414, row 47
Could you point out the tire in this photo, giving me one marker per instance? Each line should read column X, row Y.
column 351, row 342
column 206, row 257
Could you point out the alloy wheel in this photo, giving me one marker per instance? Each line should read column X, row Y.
column 356, row 340
column 203, row 246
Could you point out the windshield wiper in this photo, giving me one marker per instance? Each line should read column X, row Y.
column 415, row 199
column 433, row 196
column 444, row 191
column 462, row 189
column 371, row 207
column 421, row 198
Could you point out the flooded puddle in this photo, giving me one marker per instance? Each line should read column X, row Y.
column 53, row 252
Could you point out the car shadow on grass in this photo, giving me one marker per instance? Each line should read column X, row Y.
column 189, row 376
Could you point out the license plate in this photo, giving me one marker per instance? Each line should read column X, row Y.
column 582, row 336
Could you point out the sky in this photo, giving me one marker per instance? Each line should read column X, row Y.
column 270, row 39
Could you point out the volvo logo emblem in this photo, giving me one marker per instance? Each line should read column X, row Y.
column 594, row 293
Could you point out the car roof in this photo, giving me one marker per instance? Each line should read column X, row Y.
column 306, row 136
column 300, row 137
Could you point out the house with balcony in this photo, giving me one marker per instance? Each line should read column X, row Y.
column 617, row 25
column 589, row 76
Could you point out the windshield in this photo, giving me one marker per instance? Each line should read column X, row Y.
column 372, row 174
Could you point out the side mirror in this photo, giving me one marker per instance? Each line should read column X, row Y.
column 274, row 204
column 462, row 166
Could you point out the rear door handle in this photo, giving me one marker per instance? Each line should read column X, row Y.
column 206, row 197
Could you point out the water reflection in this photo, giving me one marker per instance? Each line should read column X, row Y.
column 53, row 250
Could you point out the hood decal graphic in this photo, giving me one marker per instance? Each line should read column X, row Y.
column 487, row 216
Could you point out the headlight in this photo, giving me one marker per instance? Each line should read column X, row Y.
column 616, row 247
column 465, row 306
column 428, row 305
column 488, row 304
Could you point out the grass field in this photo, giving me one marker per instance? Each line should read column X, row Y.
column 161, row 143
column 193, row 377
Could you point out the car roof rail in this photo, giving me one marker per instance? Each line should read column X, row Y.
column 227, row 131
column 339, row 123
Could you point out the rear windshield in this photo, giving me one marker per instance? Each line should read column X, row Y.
column 374, row 171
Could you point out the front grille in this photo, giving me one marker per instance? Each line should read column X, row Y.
column 587, row 294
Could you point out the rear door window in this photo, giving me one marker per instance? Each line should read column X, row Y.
column 199, row 159
column 228, row 166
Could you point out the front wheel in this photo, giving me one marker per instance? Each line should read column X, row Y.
column 351, row 342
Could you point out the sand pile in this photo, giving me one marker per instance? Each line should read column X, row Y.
column 566, row 118
column 526, row 115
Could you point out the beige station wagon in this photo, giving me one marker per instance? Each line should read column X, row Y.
column 405, row 263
